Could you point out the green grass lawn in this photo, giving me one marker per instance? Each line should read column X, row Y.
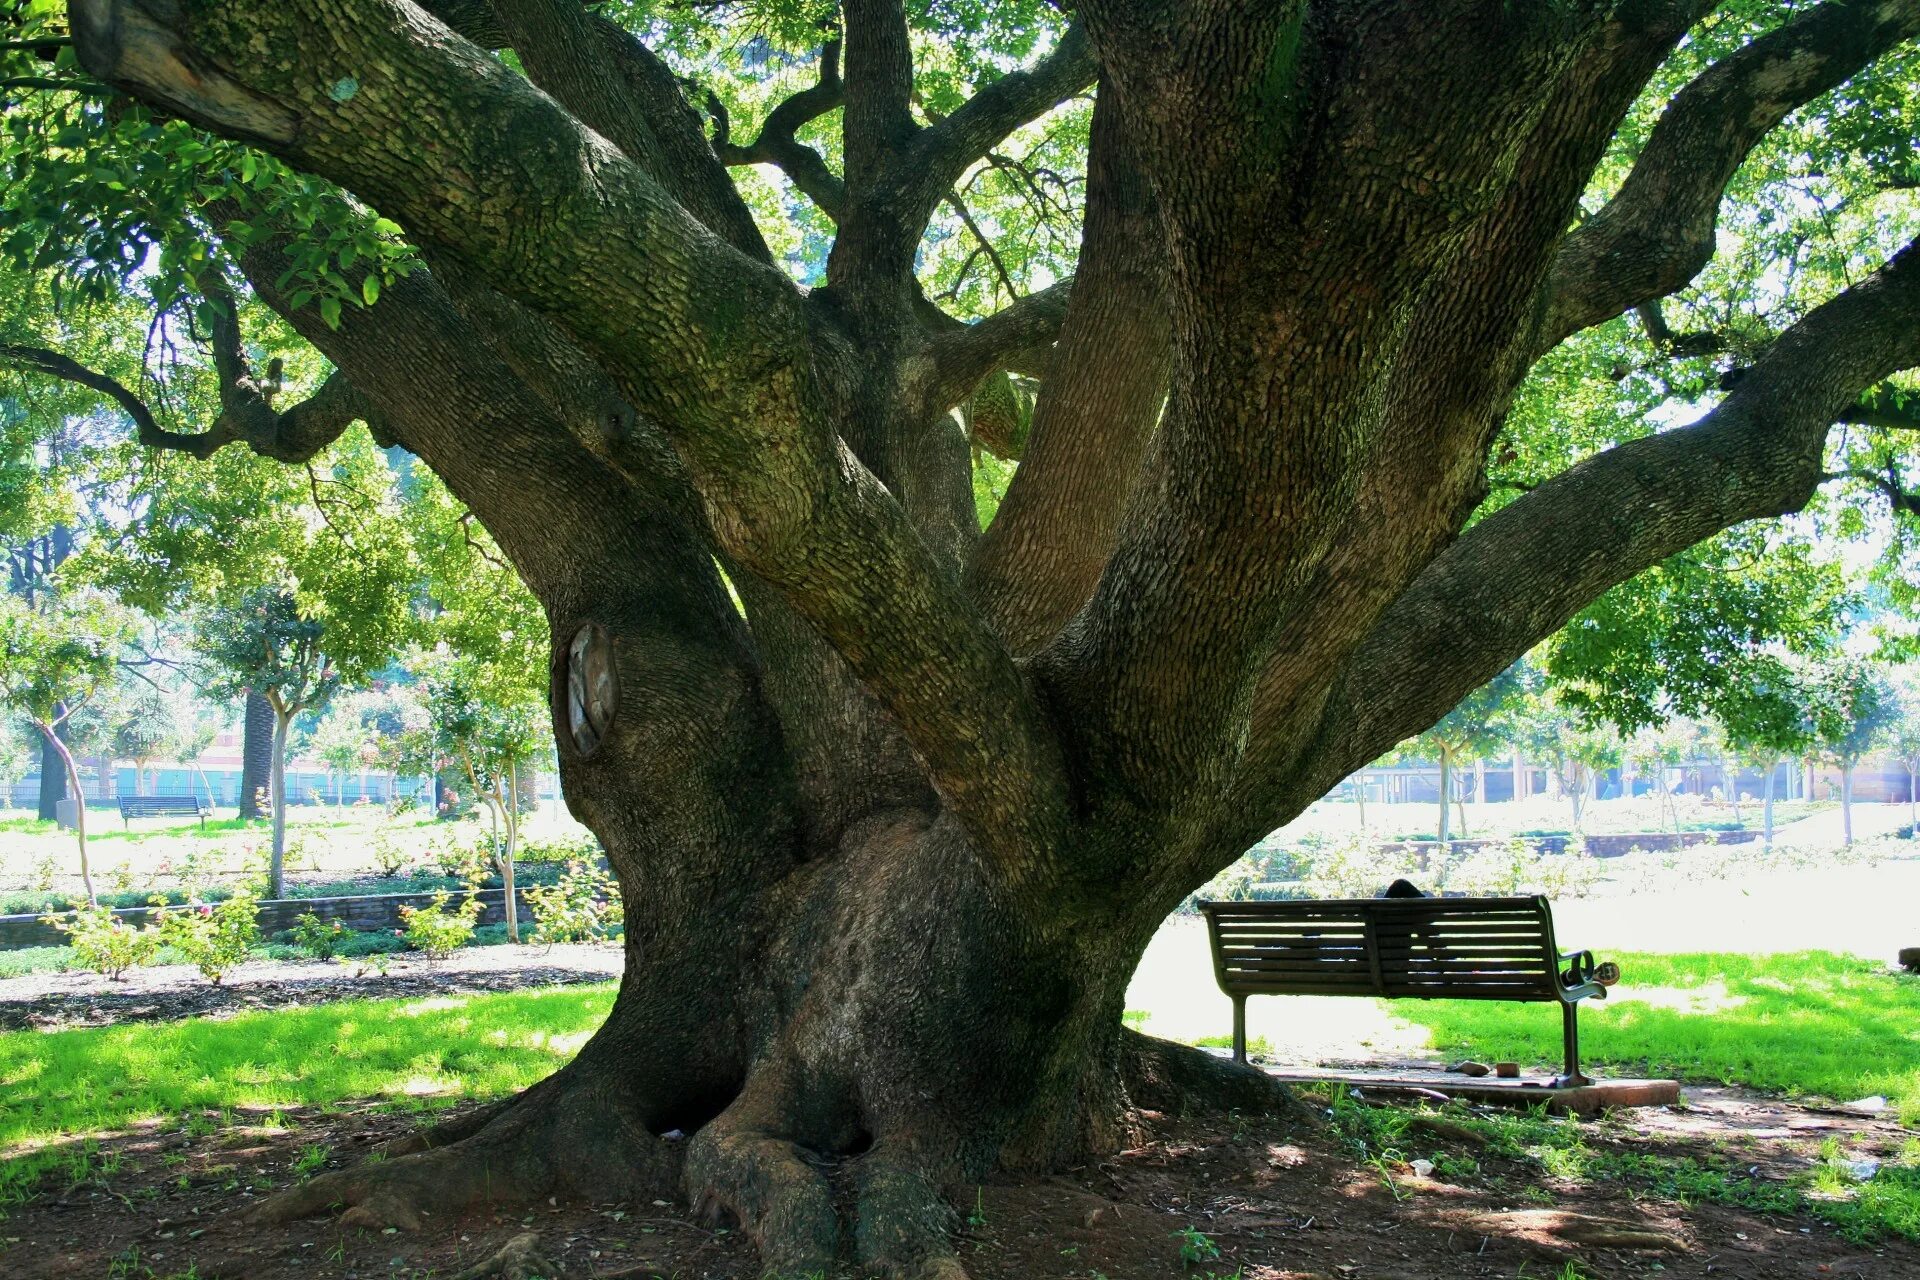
column 1808, row 1022
column 416, row 1052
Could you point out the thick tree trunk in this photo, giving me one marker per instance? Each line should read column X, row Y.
column 833, row 1019
column 1846, row 802
column 53, row 778
column 1446, row 798
column 256, row 754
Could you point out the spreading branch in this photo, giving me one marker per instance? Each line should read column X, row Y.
column 778, row 143
column 963, row 356
column 293, row 436
column 1657, row 233
column 716, row 347
column 1521, row 573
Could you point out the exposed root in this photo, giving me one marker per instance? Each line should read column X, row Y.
column 774, row 1194
column 519, row 1259
column 741, row 1165
column 1178, row 1079
column 904, row 1223
column 548, row 1141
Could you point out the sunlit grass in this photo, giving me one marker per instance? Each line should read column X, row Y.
column 1808, row 1022
column 65, row 1085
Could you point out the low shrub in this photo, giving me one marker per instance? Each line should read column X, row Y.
column 316, row 937
column 438, row 931
column 583, row 904
column 104, row 943
column 213, row 939
column 559, row 850
column 389, row 856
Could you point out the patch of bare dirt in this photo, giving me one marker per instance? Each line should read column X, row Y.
column 163, row 993
column 1277, row 1202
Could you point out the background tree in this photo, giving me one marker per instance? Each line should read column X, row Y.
column 54, row 661
column 341, row 741
column 1903, row 740
column 1485, row 722
column 1855, row 705
column 15, row 759
column 143, row 726
column 1292, row 485
column 267, row 640
column 1577, row 752
column 1767, row 719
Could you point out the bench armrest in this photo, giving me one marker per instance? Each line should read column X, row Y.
column 1580, row 977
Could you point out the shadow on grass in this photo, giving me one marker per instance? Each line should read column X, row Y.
column 423, row 1052
column 1808, row 1022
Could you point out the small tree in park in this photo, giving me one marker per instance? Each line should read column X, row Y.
column 1577, row 751
column 1766, row 719
column 143, row 726
column 1478, row 727
column 485, row 682
column 54, row 660
column 295, row 652
column 492, row 727
column 341, row 742
column 1903, row 739
column 1856, row 706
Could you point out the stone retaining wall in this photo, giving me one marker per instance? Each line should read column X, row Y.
column 368, row 912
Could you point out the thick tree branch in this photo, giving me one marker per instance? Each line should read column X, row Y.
column 944, row 150
column 1658, row 231
column 615, row 85
column 879, row 94
column 1038, row 561
column 715, row 347
column 778, row 144
column 293, row 436
column 1521, row 573
column 962, row 357
column 909, row 170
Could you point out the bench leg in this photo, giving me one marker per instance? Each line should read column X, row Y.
column 1239, row 1028
column 1570, row 1037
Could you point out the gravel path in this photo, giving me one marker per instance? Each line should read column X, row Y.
column 166, row 992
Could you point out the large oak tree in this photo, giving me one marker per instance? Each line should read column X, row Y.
column 895, row 816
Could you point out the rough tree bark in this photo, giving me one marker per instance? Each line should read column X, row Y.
column 892, row 837
column 256, row 753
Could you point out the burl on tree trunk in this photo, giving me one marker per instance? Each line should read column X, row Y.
column 895, row 804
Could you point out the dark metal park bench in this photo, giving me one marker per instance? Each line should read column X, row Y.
column 132, row 807
column 1402, row 948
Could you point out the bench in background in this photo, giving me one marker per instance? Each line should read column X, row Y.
column 132, row 807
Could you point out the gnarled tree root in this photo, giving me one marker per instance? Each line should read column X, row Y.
column 562, row 1136
column 518, row 1259
column 1178, row 1079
